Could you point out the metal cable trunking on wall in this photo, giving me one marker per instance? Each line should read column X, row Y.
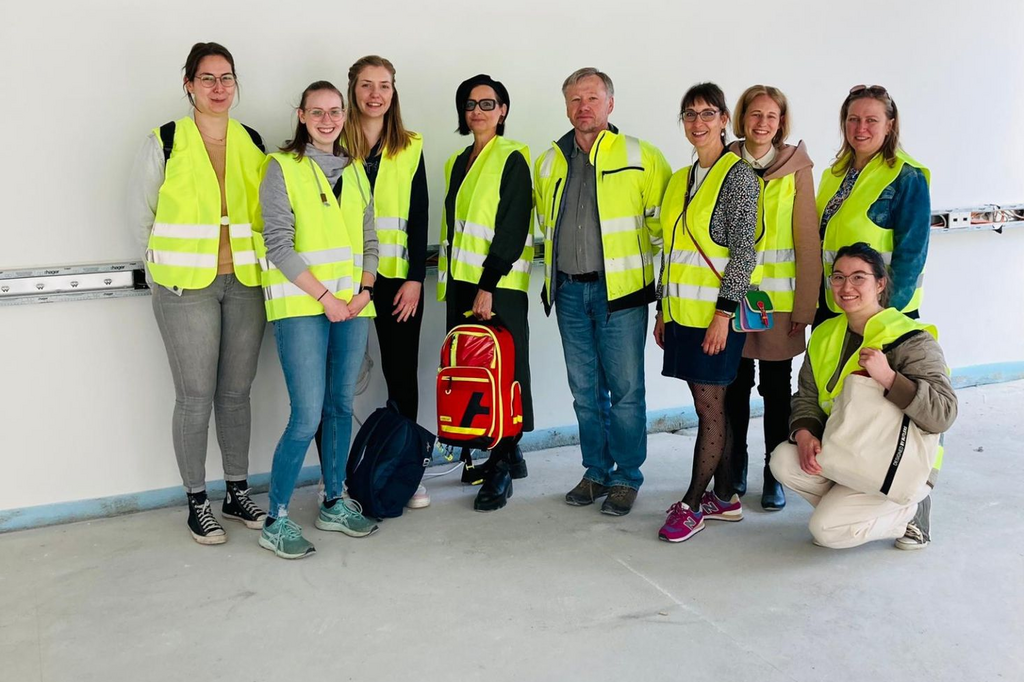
column 72, row 283
column 119, row 279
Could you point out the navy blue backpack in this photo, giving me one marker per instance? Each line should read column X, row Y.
column 387, row 461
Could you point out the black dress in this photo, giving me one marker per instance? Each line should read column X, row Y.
column 512, row 227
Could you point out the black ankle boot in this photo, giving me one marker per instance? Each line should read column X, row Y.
column 517, row 464
column 773, row 497
column 496, row 488
column 740, row 468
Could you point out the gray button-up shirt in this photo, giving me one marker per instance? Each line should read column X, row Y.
column 579, row 229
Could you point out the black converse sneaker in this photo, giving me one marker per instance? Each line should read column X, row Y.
column 238, row 506
column 203, row 525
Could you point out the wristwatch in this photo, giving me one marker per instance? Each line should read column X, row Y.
column 368, row 290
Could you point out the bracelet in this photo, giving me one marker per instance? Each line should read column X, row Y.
column 326, row 291
column 722, row 313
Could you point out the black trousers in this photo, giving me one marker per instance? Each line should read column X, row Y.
column 399, row 346
column 774, row 385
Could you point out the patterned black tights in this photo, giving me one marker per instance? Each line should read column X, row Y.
column 711, row 453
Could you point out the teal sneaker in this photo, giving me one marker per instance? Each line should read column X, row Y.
column 285, row 539
column 346, row 516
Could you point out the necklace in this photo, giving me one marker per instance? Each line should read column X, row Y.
column 215, row 140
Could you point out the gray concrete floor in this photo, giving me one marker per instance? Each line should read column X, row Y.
column 540, row 590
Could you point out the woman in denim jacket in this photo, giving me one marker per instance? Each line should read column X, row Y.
column 876, row 193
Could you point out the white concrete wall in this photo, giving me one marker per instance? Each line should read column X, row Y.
column 85, row 394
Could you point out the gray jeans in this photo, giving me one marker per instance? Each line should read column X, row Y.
column 213, row 338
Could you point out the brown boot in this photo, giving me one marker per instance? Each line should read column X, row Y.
column 585, row 493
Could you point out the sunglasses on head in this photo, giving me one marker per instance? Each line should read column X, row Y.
column 873, row 90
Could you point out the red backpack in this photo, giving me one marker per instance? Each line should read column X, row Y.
column 479, row 402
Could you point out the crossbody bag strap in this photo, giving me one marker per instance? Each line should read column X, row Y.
column 672, row 244
column 697, row 244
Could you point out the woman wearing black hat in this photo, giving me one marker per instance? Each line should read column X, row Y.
column 487, row 249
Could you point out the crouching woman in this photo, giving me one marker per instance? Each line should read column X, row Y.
column 903, row 356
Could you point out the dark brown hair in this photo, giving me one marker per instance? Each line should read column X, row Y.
column 195, row 55
column 297, row 145
column 873, row 259
column 844, row 158
column 711, row 94
column 395, row 136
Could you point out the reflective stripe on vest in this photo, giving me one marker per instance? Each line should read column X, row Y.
column 824, row 350
column 691, row 286
column 476, row 209
column 328, row 237
column 184, row 245
column 851, row 224
column 391, row 196
column 618, row 162
column 778, row 255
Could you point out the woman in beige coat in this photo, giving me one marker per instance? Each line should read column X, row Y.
column 792, row 270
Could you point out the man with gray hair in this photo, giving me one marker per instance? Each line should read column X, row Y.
column 598, row 195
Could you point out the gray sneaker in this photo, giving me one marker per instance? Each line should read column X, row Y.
column 345, row 516
column 919, row 531
column 284, row 539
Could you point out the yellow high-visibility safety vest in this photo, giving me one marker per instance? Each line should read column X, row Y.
column 851, row 224
column 825, row 348
column 391, row 192
column 185, row 242
column 328, row 236
column 691, row 286
column 631, row 178
column 778, row 253
column 476, row 209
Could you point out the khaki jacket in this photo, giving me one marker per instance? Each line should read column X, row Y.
column 922, row 388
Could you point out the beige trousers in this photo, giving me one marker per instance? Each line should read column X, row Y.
column 842, row 517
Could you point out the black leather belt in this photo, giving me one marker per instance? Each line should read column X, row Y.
column 585, row 277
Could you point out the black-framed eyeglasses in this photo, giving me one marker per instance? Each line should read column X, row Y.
column 873, row 90
column 706, row 115
column 484, row 104
column 208, row 80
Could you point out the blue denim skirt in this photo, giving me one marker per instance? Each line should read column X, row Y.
column 686, row 360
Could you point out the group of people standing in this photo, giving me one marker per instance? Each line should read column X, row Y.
column 331, row 231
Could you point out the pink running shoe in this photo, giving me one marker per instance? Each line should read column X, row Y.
column 682, row 523
column 714, row 508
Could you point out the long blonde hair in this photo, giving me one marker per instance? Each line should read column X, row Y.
column 395, row 136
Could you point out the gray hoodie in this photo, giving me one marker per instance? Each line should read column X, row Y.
column 279, row 221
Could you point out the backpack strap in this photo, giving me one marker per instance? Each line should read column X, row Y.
column 167, row 138
column 256, row 139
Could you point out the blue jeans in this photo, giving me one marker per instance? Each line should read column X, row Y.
column 604, row 358
column 321, row 363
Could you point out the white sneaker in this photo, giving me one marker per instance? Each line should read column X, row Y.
column 419, row 499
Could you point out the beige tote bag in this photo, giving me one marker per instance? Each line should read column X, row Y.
column 872, row 447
